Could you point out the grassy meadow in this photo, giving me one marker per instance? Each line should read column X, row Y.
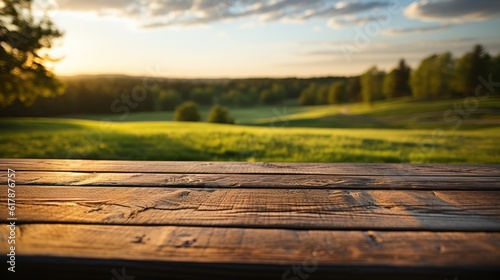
column 401, row 130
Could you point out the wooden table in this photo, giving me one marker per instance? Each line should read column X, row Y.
column 210, row 220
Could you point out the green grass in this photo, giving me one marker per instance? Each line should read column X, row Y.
column 399, row 114
column 243, row 116
column 401, row 130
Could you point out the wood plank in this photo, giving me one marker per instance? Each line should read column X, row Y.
column 462, row 170
column 268, row 208
column 258, row 246
column 254, row 181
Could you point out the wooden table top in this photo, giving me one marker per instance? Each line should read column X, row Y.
column 87, row 219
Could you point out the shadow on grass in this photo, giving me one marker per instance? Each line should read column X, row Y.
column 28, row 125
column 136, row 147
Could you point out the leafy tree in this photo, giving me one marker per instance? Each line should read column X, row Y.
column 354, row 89
column 308, row 95
column 433, row 77
column 24, row 75
column 251, row 97
column 202, row 96
column 322, row 95
column 233, row 97
column 220, row 114
column 495, row 68
column 187, row 112
column 274, row 95
column 279, row 90
column 469, row 68
column 240, row 98
column 396, row 83
column 371, row 85
column 168, row 100
column 294, row 88
column 389, row 85
column 337, row 93
column 267, row 97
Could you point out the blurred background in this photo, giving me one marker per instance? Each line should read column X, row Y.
column 244, row 80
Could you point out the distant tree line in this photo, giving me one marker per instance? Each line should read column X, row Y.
column 438, row 76
column 109, row 94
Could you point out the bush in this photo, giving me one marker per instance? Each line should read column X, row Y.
column 187, row 112
column 220, row 114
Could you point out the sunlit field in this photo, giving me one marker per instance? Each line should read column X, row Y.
column 395, row 131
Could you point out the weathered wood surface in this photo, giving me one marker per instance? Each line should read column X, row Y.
column 270, row 208
column 258, row 181
column 256, row 246
column 216, row 220
column 183, row 167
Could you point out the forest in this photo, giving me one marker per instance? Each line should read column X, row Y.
column 437, row 77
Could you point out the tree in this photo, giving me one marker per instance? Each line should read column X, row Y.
column 274, row 95
column 322, row 94
column 433, row 77
column 187, row 112
column 24, row 75
column 233, row 97
column 202, row 96
column 251, row 97
column 469, row 68
column 220, row 114
column 354, row 89
column 389, row 86
column 396, row 83
column 495, row 68
column 337, row 93
column 168, row 100
column 308, row 95
column 371, row 85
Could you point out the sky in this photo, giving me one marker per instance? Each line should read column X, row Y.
column 268, row 38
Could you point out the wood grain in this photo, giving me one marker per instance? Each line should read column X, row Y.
column 271, row 208
column 220, row 220
column 258, row 246
column 255, row 181
column 460, row 170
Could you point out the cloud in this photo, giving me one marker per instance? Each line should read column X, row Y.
column 93, row 5
column 354, row 20
column 385, row 54
column 348, row 8
column 415, row 50
column 159, row 13
column 403, row 31
column 453, row 10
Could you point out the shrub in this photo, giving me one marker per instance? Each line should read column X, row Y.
column 187, row 112
column 220, row 114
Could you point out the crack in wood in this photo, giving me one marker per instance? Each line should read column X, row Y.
column 140, row 239
column 374, row 239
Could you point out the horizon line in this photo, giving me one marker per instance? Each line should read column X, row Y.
column 207, row 78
